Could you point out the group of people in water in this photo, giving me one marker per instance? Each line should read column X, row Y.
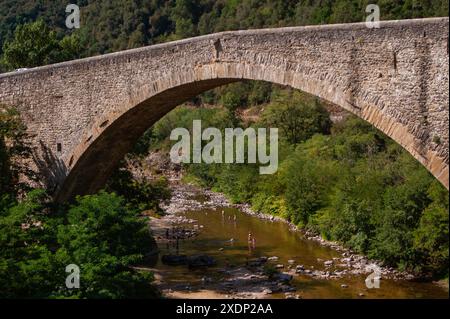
column 229, row 217
column 251, row 238
column 176, row 233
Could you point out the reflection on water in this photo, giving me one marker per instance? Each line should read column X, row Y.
column 225, row 236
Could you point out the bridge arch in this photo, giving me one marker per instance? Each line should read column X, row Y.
column 92, row 163
column 86, row 115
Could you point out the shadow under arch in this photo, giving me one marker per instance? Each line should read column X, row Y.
column 114, row 134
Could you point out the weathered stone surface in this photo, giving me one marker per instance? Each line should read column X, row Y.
column 395, row 77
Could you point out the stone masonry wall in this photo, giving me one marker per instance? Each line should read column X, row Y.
column 86, row 114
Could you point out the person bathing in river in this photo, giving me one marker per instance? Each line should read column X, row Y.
column 251, row 242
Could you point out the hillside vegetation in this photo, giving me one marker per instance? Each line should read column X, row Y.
column 113, row 25
column 347, row 181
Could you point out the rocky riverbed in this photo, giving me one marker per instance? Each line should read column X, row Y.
column 264, row 276
column 290, row 264
column 188, row 197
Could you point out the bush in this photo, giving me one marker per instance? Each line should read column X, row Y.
column 105, row 238
column 140, row 195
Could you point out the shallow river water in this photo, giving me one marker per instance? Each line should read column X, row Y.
column 226, row 239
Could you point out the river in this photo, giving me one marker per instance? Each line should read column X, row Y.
column 222, row 233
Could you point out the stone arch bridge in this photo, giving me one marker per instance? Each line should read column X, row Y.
column 85, row 115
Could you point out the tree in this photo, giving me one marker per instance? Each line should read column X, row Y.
column 27, row 267
column 35, row 44
column 14, row 151
column 431, row 237
column 105, row 238
column 296, row 118
column 140, row 195
column 99, row 233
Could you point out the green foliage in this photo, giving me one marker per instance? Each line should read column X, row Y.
column 102, row 234
column 140, row 195
column 307, row 187
column 27, row 265
column 349, row 183
column 113, row 25
column 431, row 236
column 99, row 233
column 105, row 238
column 231, row 100
column 183, row 117
column 298, row 120
column 34, row 44
column 142, row 146
column 14, row 150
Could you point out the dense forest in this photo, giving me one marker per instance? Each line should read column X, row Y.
column 112, row 25
column 344, row 180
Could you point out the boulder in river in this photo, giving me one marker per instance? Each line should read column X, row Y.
column 262, row 259
column 267, row 291
column 283, row 277
column 255, row 263
column 174, row 260
column 300, row 268
column 200, row 261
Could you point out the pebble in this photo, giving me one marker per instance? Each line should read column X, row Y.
column 267, row 291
